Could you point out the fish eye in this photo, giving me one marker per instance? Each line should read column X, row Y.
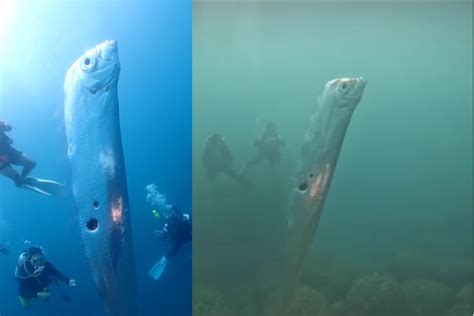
column 87, row 63
column 344, row 86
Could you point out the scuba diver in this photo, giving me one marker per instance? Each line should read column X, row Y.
column 178, row 230
column 268, row 147
column 10, row 156
column 34, row 274
column 217, row 158
column 4, row 250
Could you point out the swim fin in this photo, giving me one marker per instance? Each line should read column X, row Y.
column 158, row 268
column 34, row 189
column 43, row 186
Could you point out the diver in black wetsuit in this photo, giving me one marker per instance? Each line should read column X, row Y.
column 34, row 274
column 217, row 158
column 178, row 229
column 268, row 146
column 10, row 156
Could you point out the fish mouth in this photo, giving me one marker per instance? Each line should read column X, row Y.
column 108, row 49
column 361, row 79
column 353, row 97
column 358, row 86
column 360, row 83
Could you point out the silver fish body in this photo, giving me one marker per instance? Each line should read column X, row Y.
column 99, row 181
column 317, row 162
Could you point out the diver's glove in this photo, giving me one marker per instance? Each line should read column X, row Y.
column 72, row 283
column 43, row 295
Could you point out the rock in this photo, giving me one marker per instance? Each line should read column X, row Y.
column 460, row 309
column 374, row 295
column 427, row 297
column 337, row 308
column 423, row 264
column 465, row 294
column 464, row 301
column 208, row 302
column 309, row 302
column 331, row 276
column 455, row 272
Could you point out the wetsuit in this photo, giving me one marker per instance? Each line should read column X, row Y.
column 268, row 148
column 8, row 154
column 179, row 231
column 29, row 285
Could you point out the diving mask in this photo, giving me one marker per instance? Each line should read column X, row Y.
column 38, row 261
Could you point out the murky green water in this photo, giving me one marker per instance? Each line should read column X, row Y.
column 399, row 212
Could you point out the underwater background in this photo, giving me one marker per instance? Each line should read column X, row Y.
column 39, row 40
column 395, row 236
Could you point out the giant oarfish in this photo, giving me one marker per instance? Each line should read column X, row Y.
column 99, row 182
column 316, row 164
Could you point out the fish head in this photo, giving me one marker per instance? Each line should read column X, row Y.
column 99, row 67
column 323, row 141
column 334, row 110
column 346, row 92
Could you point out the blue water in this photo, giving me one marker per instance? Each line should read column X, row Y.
column 38, row 43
